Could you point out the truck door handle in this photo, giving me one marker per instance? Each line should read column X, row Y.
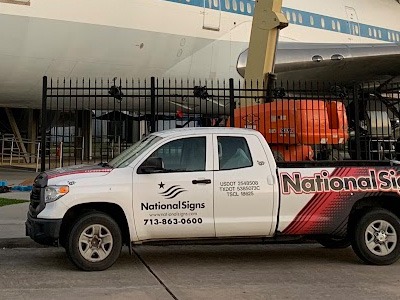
column 205, row 181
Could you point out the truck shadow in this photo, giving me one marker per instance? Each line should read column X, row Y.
column 243, row 254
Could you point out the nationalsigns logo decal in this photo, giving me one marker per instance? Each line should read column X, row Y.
column 382, row 180
column 172, row 192
column 332, row 196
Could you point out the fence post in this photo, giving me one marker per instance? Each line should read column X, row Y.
column 357, row 123
column 43, row 126
column 153, row 105
column 231, row 103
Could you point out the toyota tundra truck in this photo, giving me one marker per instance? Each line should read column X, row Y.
column 213, row 184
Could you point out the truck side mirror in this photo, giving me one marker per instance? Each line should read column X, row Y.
column 151, row 165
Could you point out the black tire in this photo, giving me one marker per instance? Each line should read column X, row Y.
column 94, row 225
column 384, row 239
column 334, row 155
column 334, row 242
column 278, row 156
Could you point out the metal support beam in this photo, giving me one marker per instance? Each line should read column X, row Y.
column 32, row 131
column 17, row 134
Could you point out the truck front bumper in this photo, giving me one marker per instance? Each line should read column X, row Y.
column 43, row 231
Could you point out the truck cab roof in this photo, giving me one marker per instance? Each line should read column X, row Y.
column 204, row 130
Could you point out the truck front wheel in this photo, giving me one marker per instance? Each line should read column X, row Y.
column 94, row 242
column 376, row 237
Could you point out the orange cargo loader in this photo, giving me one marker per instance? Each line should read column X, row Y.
column 295, row 128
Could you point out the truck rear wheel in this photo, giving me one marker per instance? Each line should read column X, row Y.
column 278, row 156
column 376, row 237
column 94, row 242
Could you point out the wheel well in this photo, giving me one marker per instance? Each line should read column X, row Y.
column 113, row 210
column 362, row 206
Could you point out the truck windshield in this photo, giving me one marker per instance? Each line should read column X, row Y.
column 130, row 154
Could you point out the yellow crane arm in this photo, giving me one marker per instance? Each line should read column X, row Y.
column 268, row 19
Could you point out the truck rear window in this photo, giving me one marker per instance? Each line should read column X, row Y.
column 233, row 153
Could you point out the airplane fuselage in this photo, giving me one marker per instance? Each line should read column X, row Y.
column 162, row 38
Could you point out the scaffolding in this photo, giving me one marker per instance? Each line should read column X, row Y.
column 12, row 154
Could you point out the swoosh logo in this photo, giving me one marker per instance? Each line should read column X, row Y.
column 172, row 192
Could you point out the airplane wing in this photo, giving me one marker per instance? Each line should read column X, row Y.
column 344, row 64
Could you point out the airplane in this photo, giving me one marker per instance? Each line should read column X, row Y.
column 346, row 40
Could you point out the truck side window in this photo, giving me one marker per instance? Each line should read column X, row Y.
column 183, row 155
column 233, row 153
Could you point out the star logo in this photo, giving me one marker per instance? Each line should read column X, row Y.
column 161, row 185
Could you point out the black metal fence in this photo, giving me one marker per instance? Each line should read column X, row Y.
column 89, row 121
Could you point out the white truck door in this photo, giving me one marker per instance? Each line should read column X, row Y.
column 177, row 202
column 244, row 187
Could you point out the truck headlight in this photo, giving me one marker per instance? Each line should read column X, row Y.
column 55, row 192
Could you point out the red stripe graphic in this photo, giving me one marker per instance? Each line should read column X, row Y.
column 79, row 172
column 321, row 208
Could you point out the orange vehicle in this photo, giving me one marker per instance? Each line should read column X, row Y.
column 298, row 130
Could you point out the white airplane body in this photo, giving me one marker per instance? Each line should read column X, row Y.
column 185, row 39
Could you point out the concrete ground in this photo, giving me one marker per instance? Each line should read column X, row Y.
column 200, row 272
column 13, row 217
column 15, row 176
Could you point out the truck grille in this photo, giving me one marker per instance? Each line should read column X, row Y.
column 37, row 203
column 35, row 197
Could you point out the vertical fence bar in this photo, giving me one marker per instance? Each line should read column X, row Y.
column 231, row 103
column 152, row 104
column 357, row 123
column 43, row 128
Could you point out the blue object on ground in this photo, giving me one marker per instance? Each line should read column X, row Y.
column 3, row 183
column 22, row 188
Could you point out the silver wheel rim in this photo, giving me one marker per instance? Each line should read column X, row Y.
column 95, row 243
column 380, row 237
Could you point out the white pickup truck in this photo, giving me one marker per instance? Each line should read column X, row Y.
column 210, row 184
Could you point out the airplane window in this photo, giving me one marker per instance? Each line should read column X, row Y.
column 234, row 5
column 300, row 18
column 288, row 16
column 294, row 18
column 249, row 8
column 311, row 20
column 370, row 31
column 338, row 26
column 333, row 25
column 241, row 5
column 322, row 22
column 397, row 37
column 227, row 4
column 375, row 32
column 216, row 3
column 380, row 34
column 389, row 36
column 356, row 29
